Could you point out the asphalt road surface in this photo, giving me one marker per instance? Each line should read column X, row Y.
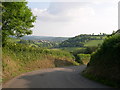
column 64, row 77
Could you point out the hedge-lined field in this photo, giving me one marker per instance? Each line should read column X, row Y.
column 93, row 43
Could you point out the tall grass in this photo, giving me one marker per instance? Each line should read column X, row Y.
column 19, row 58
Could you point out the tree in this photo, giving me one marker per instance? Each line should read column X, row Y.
column 17, row 20
column 0, row 24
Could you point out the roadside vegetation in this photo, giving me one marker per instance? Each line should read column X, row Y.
column 105, row 62
column 19, row 58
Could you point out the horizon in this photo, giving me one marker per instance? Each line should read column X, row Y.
column 67, row 36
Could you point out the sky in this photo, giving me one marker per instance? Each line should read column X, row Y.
column 68, row 19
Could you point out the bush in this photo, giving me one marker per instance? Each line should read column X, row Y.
column 90, row 50
column 105, row 62
column 109, row 51
column 85, row 58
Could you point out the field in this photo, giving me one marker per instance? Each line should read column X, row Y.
column 93, row 43
column 71, row 49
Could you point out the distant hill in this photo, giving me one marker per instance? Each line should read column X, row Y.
column 83, row 40
column 49, row 38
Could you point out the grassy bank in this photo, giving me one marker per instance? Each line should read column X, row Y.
column 20, row 58
column 105, row 62
column 99, row 79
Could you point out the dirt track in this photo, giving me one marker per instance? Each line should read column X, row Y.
column 65, row 77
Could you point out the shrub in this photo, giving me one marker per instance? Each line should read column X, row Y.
column 105, row 62
column 85, row 58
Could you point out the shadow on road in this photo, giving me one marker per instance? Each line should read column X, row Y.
column 64, row 77
column 67, row 77
column 53, row 78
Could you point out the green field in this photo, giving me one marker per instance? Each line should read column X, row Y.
column 71, row 49
column 93, row 43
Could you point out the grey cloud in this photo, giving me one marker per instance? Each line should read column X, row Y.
column 57, row 11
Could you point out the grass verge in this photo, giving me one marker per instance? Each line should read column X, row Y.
column 101, row 80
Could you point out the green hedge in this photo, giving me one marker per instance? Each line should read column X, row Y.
column 105, row 62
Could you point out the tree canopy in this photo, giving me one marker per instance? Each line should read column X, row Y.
column 17, row 20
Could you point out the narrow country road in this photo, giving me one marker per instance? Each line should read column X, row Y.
column 65, row 77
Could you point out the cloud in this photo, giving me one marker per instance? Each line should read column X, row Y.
column 62, row 12
column 70, row 19
column 38, row 12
